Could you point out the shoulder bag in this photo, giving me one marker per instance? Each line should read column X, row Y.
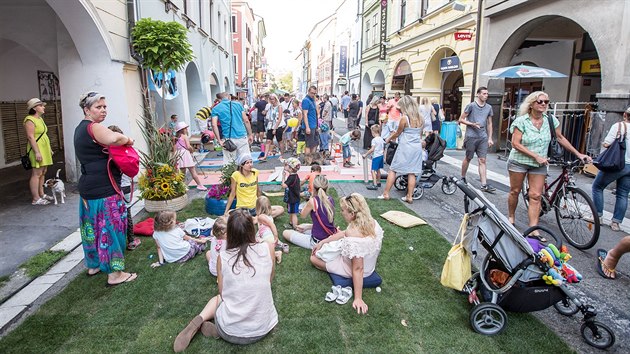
column 556, row 151
column 228, row 144
column 613, row 159
column 457, row 267
column 25, row 160
column 126, row 159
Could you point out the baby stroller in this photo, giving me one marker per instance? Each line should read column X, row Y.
column 523, row 289
column 434, row 147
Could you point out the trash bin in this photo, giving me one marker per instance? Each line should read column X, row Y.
column 449, row 133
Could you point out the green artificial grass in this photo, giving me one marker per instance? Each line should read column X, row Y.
column 40, row 263
column 146, row 315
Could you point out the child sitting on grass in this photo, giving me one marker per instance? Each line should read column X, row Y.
column 345, row 144
column 292, row 190
column 377, row 148
column 267, row 231
column 316, row 170
column 173, row 244
column 218, row 243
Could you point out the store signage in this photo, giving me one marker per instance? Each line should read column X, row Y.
column 450, row 64
column 383, row 37
column 342, row 82
column 343, row 60
column 590, row 66
column 463, row 36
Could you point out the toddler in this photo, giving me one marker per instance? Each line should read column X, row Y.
column 345, row 139
column 316, row 170
column 125, row 186
column 173, row 244
column 267, row 231
column 301, row 141
column 185, row 159
column 218, row 243
column 292, row 190
column 376, row 149
column 324, row 136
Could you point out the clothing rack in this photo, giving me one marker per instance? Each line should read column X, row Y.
column 575, row 125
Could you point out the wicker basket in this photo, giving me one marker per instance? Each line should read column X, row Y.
column 161, row 205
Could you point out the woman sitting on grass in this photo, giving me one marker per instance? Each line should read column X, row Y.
column 243, row 311
column 360, row 246
column 321, row 208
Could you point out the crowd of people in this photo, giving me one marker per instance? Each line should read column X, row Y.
column 244, row 246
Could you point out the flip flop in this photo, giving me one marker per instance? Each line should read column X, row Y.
column 601, row 256
column 404, row 199
column 131, row 275
column 382, row 197
column 92, row 274
column 538, row 237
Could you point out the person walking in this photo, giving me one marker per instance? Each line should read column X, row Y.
column 38, row 150
column 478, row 117
column 622, row 177
column 334, row 101
column 309, row 124
column 437, row 123
column 275, row 126
column 353, row 112
column 408, row 157
column 371, row 112
column 345, row 102
column 234, row 125
column 428, row 114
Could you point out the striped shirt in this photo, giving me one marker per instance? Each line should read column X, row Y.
column 533, row 139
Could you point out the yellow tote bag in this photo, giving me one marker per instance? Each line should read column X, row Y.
column 457, row 268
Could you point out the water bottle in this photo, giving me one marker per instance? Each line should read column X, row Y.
column 151, row 256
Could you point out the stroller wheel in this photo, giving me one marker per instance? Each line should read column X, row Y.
column 448, row 187
column 400, row 183
column 566, row 307
column 597, row 334
column 488, row 319
column 418, row 192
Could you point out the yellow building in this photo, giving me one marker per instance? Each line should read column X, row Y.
column 430, row 51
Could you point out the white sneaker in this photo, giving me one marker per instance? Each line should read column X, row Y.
column 346, row 294
column 333, row 294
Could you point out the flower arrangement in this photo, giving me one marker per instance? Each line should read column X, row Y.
column 221, row 191
column 161, row 180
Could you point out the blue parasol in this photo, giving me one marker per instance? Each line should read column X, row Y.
column 523, row 72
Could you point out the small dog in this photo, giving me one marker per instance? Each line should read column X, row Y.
column 56, row 186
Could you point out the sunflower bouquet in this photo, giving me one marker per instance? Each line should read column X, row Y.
column 161, row 180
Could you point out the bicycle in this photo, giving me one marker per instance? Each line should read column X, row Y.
column 575, row 211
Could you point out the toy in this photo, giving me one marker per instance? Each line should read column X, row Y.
column 553, row 277
column 570, row 274
column 559, row 271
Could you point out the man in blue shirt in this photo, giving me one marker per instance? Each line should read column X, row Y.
column 234, row 125
column 345, row 101
column 309, row 124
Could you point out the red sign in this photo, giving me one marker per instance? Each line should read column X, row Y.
column 463, row 36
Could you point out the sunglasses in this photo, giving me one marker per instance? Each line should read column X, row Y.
column 542, row 101
column 89, row 95
column 349, row 200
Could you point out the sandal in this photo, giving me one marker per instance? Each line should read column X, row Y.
column 344, row 296
column 602, row 269
column 202, row 188
column 537, row 237
column 47, row 197
column 615, row 226
column 333, row 294
column 128, row 280
column 40, row 201
column 382, row 197
column 134, row 244
column 90, row 274
column 404, row 199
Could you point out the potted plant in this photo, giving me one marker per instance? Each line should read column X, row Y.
column 216, row 199
column 161, row 185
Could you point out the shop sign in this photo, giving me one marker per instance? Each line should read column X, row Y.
column 590, row 66
column 383, row 36
column 463, row 36
column 450, row 64
column 342, row 81
column 343, row 60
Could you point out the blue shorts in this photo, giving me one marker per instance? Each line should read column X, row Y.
column 346, row 151
column 293, row 208
column 377, row 163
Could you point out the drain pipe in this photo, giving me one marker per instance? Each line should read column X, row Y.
column 476, row 55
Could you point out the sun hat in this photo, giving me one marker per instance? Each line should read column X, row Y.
column 34, row 102
column 293, row 163
column 244, row 158
column 180, row 126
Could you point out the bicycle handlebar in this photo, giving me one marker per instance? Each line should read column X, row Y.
column 563, row 163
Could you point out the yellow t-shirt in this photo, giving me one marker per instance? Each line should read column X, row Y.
column 246, row 189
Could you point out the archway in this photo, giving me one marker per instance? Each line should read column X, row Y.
column 214, row 87
column 226, row 84
column 443, row 79
column 402, row 79
column 366, row 87
column 196, row 98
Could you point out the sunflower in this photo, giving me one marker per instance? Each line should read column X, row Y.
column 165, row 186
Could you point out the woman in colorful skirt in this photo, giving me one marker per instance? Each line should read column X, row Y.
column 102, row 211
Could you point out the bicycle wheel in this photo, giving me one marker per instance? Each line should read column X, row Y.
column 577, row 218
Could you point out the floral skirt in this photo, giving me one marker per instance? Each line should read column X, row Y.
column 103, row 224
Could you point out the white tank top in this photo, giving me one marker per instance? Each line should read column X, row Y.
column 247, row 309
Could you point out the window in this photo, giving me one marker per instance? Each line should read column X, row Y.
column 375, row 29
column 233, row 23
column 403, row 13
column 186, row 7
column 201, row 24
column 210, row 19
column 248, row 34
column 367, row 33
column 235, row 63
column 356, row 51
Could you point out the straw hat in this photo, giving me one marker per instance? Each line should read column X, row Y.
column 34, row 102
column 180, row 126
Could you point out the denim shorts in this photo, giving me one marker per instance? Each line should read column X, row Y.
column 517, row 167
column 346, row 151
column 293, row 208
